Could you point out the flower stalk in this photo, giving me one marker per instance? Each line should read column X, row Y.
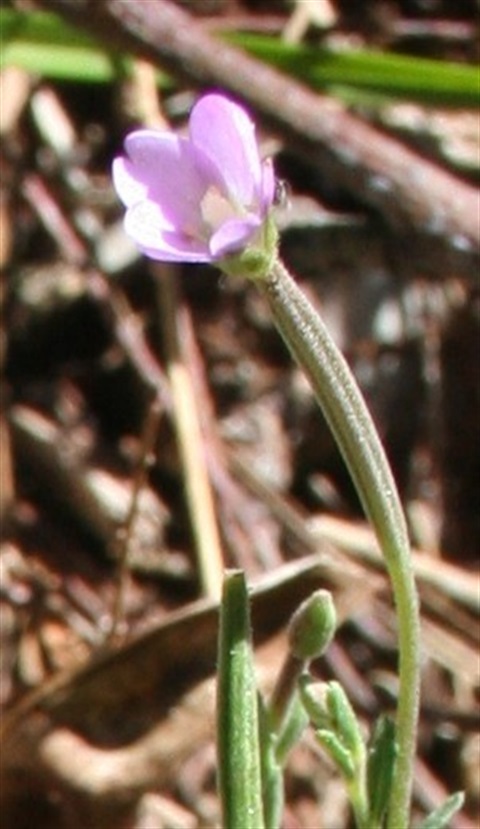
column 208, row 197
column 352, row 426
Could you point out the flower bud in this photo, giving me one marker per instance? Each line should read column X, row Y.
column 312, row 626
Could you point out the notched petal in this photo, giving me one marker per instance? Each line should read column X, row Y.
column 223, row 131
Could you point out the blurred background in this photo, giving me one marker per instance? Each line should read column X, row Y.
column 154, row 426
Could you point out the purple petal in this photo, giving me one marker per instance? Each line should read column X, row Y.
column 233, row 235
column 162, row 168
column 126, row 182
column 223, row 131
column 174, row 252
column 144, row 224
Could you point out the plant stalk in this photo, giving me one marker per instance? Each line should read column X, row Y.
column 345, row 410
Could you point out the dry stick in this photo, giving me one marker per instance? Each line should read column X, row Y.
column 408, row 190
column 355, row 539
column 233, row 503
column 187, row 423
column 126, row 534
column 128, row 333
column 178, row 399
column 56, row 223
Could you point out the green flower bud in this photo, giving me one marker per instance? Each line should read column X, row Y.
column 312, row 626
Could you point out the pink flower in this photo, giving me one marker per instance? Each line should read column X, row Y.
column 196, row 199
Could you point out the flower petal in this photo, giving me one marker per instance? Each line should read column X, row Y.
column 173, row 251
column 223, row 131
column 144, row 224
column 165, row 166
column 127, row 184
column 233, row 235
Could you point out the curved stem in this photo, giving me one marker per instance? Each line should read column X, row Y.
column 350, row 421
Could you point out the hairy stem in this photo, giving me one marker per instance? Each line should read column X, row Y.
column 350, row 421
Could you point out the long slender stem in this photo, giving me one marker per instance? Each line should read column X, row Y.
column 350, row 421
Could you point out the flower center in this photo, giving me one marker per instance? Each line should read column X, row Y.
column 216, row 210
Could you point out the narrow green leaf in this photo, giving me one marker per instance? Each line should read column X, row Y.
column 440, row 817
column 42, row 42
column 344, row 721
column 65, row 63
column 238, row 741
column 338, row 753
column 380, row 766
column 40, row 27
column 367, row 70
column 272, row 774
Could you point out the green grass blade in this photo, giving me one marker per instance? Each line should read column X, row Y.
column 382, row 73
column 44, row 44
column 63, row 63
